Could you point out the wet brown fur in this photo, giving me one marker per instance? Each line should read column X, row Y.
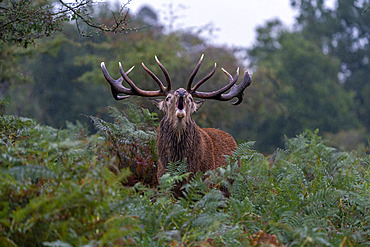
column 180, row 139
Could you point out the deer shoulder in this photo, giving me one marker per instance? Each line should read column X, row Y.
column 223, row 144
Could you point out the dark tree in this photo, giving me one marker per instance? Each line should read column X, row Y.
column 342, row 32
column 298, row 87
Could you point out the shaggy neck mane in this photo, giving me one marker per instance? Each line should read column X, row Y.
column 178, row 140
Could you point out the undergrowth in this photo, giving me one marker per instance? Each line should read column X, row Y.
column 68, row 188
column 130, row 139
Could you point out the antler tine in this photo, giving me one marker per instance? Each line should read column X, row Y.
column 137, row 91
column 195, row 71
column 165, row 72
column 217, row 94
column 235, row 90
column 199, row 83
column 116, row 85
column 155, row 78
column 238, row 90
column 128, row 80
column 228, row 74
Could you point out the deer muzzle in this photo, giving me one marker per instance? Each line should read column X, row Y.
column 180, row 107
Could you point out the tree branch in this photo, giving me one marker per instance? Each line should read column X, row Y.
column 363, row 12
column 22, row 22
column 119, row 25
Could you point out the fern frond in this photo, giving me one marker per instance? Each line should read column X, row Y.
column 13, row 128
column 29, row 172
column 168, row 182
column 103, row 126
column 57, row 243
column 212, row 201
column 245, row 151
column 292, row 219
column 177, row 168
column 194, row 189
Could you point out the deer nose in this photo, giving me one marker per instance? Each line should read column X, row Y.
column 181, row 92
column 181, row 97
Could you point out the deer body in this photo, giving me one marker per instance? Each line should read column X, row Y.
column 179, row 138
column 203, row 149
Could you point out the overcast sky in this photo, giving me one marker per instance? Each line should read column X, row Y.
column 234, row 21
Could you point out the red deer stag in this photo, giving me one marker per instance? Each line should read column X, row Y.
column 178, row 136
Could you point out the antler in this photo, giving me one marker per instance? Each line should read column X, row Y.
column 235, row 89
column 117, row 87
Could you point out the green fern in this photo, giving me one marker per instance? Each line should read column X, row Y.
column 131, row 143
column 58, row 188
column 30, row 173
column 193, row 190
column 177, row 168
column 13, row 129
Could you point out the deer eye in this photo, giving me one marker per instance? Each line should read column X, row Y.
column 168, row 98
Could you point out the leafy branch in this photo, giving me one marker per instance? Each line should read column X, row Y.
column 22, row 22
column 120, row 20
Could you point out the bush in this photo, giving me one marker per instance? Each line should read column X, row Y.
column 55, row 191
column 130, row 139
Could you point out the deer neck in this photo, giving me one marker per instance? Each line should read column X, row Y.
column 179, row 129
column 178, row 141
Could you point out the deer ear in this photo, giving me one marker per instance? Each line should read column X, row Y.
column 158, row 103
column 198, row 104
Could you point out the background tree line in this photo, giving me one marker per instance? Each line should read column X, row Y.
column 314, row 76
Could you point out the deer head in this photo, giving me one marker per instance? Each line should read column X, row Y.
column 178, row 104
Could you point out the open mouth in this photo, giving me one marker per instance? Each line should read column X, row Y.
column 180, row 104
column 180, row 108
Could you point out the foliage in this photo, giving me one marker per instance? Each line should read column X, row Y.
column 131, row 140
column 55, row 191
column 343, row 32
column 9, row 67
column 300, row 94
column 24, row 21
column 58, row 188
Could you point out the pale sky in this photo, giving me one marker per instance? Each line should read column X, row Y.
column 235, row 21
